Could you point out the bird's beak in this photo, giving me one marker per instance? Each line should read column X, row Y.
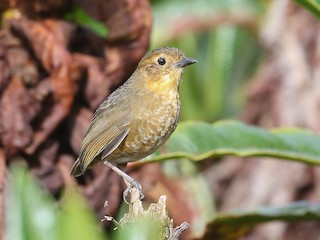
column 185, row 62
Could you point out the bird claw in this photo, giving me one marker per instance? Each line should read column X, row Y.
column 131, row 185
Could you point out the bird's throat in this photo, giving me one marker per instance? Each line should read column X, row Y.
column 166, row 83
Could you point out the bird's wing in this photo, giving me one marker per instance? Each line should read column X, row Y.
column 105, row 135
column 110, row 147
column 109, row 126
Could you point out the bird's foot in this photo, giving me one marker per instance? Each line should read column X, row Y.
column 130, row 185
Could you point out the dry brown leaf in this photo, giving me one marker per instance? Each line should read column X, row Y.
column 49, row 40
column 3, row 170
column 79, row 123
column 4, row 67
column 63, row 95
column 103, row 185
column 17, row 109
column 97, row 86
column 36, row 8
column 45, row 166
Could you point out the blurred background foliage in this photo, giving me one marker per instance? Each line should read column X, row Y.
column 224, row 37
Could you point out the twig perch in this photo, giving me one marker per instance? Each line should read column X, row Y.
column 156, row 211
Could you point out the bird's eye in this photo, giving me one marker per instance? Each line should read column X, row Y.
column 161, row 61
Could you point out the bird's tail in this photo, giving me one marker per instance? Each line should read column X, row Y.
column 77, row 169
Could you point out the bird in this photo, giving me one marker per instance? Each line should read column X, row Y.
column 138, row 117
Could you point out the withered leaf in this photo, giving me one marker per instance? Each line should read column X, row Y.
column 80, row 121
column 45, row 166
column 4, row 70
column 97, row 86
column 18, row 107
column 63, row 88
column 48, row 38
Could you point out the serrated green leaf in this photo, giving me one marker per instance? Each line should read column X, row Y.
column 200, row 140
column 234, row 224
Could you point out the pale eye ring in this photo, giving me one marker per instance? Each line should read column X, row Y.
column 161, row 61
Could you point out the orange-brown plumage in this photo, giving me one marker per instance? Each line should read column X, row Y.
column 139, row 116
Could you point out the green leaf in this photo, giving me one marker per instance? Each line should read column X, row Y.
column 145, row 228
column 220, row 56
column 76, row 220
column 30, row 212
column 312, row 6
column 79, row 16
column 199, row 140
column 232, row 225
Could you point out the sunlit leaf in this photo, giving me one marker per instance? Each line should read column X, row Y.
column 199, row 140
column 232, row 225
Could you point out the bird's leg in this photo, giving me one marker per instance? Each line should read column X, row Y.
column 130, row 182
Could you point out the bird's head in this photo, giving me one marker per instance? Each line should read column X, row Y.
column 162, row 67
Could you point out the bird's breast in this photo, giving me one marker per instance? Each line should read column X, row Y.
column 153, row 121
